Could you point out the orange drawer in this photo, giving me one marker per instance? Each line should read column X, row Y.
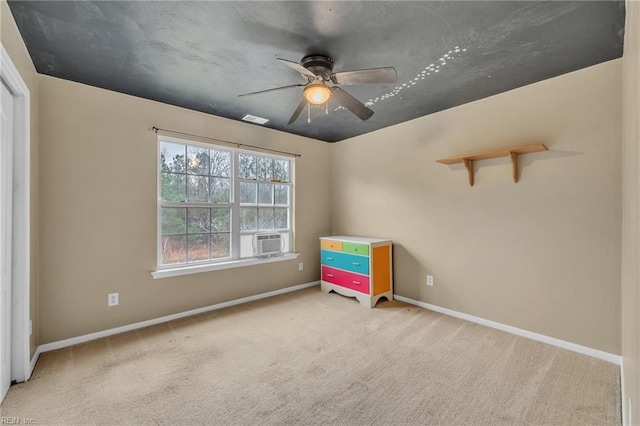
column 332, row 245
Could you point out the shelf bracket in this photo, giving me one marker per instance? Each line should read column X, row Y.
column 514, row 164
column 469, row 165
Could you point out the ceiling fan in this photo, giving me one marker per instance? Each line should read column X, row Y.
column 318, row 70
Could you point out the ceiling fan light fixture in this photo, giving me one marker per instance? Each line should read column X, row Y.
column 317, row 93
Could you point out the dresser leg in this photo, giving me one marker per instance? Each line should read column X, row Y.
column 364, row 301
column 376, row 299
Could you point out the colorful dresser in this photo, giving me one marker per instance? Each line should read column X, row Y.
column 357, row 267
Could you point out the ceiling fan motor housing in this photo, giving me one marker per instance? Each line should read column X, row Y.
column 321, row 66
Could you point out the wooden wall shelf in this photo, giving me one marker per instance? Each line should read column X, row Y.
column 513, row 153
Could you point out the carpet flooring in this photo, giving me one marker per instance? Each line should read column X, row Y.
column 316, row 359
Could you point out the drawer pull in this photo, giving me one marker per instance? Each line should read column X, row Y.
column 356, row 282
column 330, row 275
column 355, row 263
column 329, row 258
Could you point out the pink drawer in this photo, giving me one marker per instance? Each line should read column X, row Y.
column 346, row 279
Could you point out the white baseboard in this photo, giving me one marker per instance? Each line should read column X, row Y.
column 97, row 335
column 605, row 356
column 34, row 360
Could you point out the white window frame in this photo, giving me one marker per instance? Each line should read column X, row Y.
column 234, row 260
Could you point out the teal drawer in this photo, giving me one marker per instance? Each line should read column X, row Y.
column 348, row 262
column 356, row 248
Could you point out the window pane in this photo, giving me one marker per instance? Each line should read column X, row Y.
column 197, row 160
column 220, row 220
column 172, row 187
column 220, row 245
column 281, row 170
column 248, row 192
column 198, row 189
column 281, row 194
column 199, row 221
column 265, row 218
column 247, row 166
column 220, row 188
column 198, row 247
column 248, row 218
column 220, row 163
column 281, row 219
column 173, row 249
column 265, row 168
column 172, row 158
column 174, row 220
column 265, row 193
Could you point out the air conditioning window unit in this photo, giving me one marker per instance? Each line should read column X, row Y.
column 267, row 244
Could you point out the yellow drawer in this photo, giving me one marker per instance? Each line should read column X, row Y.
column 331, row 245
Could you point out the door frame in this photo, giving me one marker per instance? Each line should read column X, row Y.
column 21, row 246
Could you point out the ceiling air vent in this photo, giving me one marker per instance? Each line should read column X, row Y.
column 253, row 119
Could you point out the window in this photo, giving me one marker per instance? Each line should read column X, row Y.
column 212, row 201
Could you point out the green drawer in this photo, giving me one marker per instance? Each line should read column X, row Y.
column 354, row 248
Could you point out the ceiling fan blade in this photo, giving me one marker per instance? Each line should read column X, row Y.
column 375, row 75
column 296, row 66
column 352, row 104
column 271, row 90
column 297, row 112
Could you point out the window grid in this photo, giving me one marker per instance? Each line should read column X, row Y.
column 199, row 166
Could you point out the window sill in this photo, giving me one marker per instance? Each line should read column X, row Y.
column 186, row 270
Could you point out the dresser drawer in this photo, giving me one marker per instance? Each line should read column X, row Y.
column 356, row 248
column 331, row 245
column 346, row 279
column 350, row 262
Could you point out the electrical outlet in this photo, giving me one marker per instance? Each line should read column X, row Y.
column 113, row 299
column 300, row 266
column 430, row 280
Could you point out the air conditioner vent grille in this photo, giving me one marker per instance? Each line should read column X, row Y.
column 268, row 244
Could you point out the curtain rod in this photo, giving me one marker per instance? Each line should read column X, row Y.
column 166, row 132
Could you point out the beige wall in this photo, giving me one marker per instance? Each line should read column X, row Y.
column 631, row 218
column 12, row 42
column 98, row 210
column 542, row 254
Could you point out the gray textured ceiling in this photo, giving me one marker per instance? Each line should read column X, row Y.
column 201, row 55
